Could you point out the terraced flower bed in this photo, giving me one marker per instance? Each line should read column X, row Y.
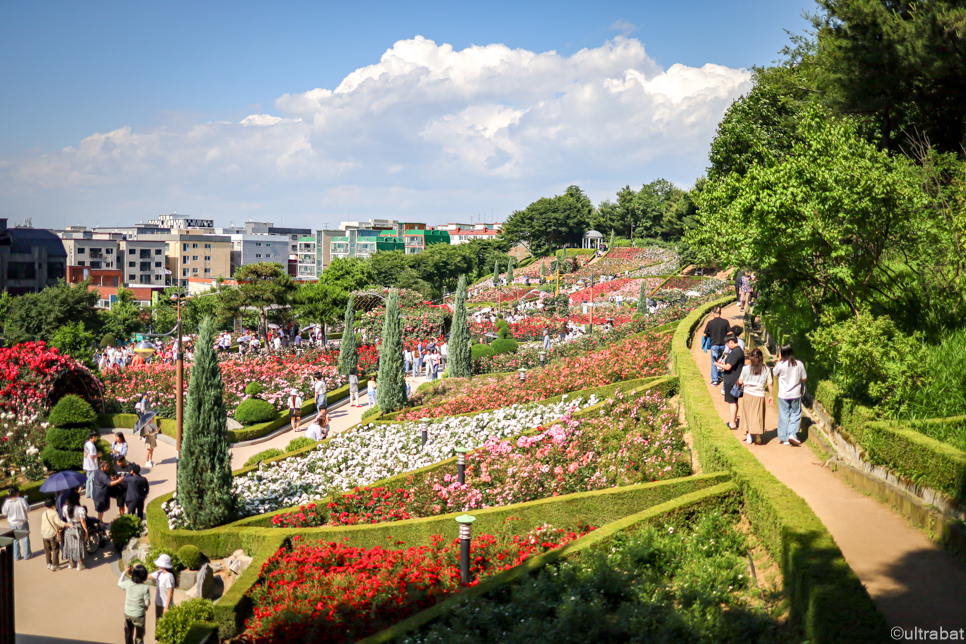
column 638, row 356
column 329, row 592
column 630, row 440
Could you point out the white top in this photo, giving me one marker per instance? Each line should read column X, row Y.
column 755, row 385
column 80, row 512
column 371, row 385
column 319, row 388
column 790, row 379
column 443, row 349
column 165, row 581
column 295, row 401
column 314, row 432
column 16, row 510
column 90, row 457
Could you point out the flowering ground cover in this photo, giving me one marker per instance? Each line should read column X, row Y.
column 277, row 374
column 630, row 440
column 486, row 293
column 28, row 374
column 331, row 592
column 685, row 582
column 599, row 291
column 634, row 357
column 619, row 260
column 370, row 453
column 424, row 320
column 531, row 328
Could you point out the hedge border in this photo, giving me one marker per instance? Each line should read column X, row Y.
column 687, row 503
column 826, row 597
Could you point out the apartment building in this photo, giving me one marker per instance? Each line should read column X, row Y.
column 462, row 235
column 86, row 248
column 142, row 262
column 364, row 243
column 31, row 259
column 181, row 222
column 249, row 248
column 307, row 265
column 191, row 253
column 417, row 241
column 140, row 259
column 268, row 228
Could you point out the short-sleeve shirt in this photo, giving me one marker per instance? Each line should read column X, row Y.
column 165, row 581
column 320, row 396
column 737, row 360
column 90, row 457
column 717, row 329
column 790, row 379
column 755, row 385
column 102, row 485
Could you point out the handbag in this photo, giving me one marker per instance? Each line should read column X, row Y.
column 737, row 391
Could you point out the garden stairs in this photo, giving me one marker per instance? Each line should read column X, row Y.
column 913, row 580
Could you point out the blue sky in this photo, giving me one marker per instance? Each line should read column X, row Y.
column 168, row 87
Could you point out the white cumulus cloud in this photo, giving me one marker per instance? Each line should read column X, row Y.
column 427, row 130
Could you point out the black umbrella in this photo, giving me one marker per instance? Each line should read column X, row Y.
column 66, row 480
column 145, row 418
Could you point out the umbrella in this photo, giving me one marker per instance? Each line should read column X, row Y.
column 61, row 481
column 273, row 326
column 145, row 418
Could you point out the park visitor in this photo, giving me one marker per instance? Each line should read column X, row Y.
column 164, row 579
column 407, row 360
column 316, row 432
column 744, row 291
column 75, row 535
column 51, row 528
column 15, row 508
column 738, row 275
column 354, row 386
column 755, row 377
column 731, row 368
column 321, row 399
column 150, row 431
column 137, row 598
column 90, row 462
column 716, row 330
column 371, row 390
column 103, row 482
column 119, row 446
column 791, row 378
column 443, row 354
column 294, row 408
column 137, row 492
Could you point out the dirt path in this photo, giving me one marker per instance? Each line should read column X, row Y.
column 914, row 582
column 87, row 606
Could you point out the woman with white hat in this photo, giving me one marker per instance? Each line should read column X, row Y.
column 295, row 408
column 164, row 578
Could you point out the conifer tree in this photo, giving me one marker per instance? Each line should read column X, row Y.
column 348, row 349
column 543, row 269
column 509, row 271
column 496, row 272
column 204, row 471
column 460, row 361
column 642, row 299
column 391, row 385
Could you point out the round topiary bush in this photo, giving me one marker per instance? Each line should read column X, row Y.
column 71, row 439
column 108, row 341
column 123, row 529
column 254, row 411
column 190, row 556
column 56, row 460
column 504, row 333
column 504, row 345
column 254, row 389
column 263, row 456
column 175, row 624
column 72, row 411
column 481, row 351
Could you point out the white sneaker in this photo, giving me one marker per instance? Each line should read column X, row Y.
column 785, row 443
column 748, row 439
column 793, row 440
column 50, row 566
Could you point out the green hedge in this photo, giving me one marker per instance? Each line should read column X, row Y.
column 687, row 504
column 826, row 597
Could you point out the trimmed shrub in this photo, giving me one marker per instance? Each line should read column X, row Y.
column 175, row 624
column 108, row 341
column 372, row 411
column 69, row 439
column 123, row 529
column 190, row 556
column 263, row 455
column 481, row 351
column 72, row 411
column 299, row 443
column 254, row 411
column 503, row 346
column 56, row 460
column 254, row 389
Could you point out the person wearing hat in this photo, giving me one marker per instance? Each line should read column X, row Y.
column 321, row 399
column 164, row 578
column 294, row 408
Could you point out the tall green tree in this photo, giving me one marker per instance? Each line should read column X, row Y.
column 263, row 286
column 496, row 273
column 642, row 299
column 509, row 271
column 318, row 302
column 550, row 222
column 348, row 349
column 391, row 390
column 76, row 341
column 204, row 470
column 37, row 316
column 124, row 316
column 460, row 361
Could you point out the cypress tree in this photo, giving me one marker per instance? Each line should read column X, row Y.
column 496, row 272
column 543, row 269
column 204, row 471
column 391, row 386
column 509, row 271
column 460, row 361
column 348, row 350
column 642, row 299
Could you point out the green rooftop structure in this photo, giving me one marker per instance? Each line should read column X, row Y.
column 419, row 240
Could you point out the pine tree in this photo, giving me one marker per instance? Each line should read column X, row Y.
column 543, row 269
column 611, row 245
column 391, row 385
column 348, row 350
column 642, row 299
column 460, row 361
column 204, row 471
column 496, row 272
column 509, row 271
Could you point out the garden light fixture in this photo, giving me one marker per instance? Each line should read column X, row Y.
column 425, row 430
column 523, row 375
column 461, row 465
column 466, row 534
column 543, row 357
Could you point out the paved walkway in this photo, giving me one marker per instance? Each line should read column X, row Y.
column 87, row 606
column 913, row 581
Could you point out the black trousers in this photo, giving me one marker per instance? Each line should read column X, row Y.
column 136, row 509
column 133, row 630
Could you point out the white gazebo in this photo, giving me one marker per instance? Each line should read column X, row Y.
column 593, row 239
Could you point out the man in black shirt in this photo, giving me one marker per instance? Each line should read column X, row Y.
column 738, row 275
column 731, row 368
column 137, row 492
column 717, row 329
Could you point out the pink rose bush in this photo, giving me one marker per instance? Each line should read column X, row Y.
column 28, row 372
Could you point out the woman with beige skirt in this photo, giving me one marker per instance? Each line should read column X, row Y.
column 755, row 378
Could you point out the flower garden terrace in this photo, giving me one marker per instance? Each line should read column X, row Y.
column 405, row 564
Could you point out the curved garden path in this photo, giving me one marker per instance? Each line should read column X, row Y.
column 70, row 606
column 913, row 581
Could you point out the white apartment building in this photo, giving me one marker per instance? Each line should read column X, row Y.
column 181, row 222
column 248, row 248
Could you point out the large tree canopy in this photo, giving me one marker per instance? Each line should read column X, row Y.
column 549, row 223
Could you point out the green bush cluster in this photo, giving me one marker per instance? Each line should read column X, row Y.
column 478, row 351
column 190, row 556
column 72, row 420
column 254, row 411
column 501, row 346
column 255, row 459
column 372, row 411
column 123, row 529
column 299, row 443
column 175, row 624
column 108, row 341
column 254, row 389
column 176, row 564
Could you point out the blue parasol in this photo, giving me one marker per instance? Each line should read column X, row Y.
column 61, row 481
